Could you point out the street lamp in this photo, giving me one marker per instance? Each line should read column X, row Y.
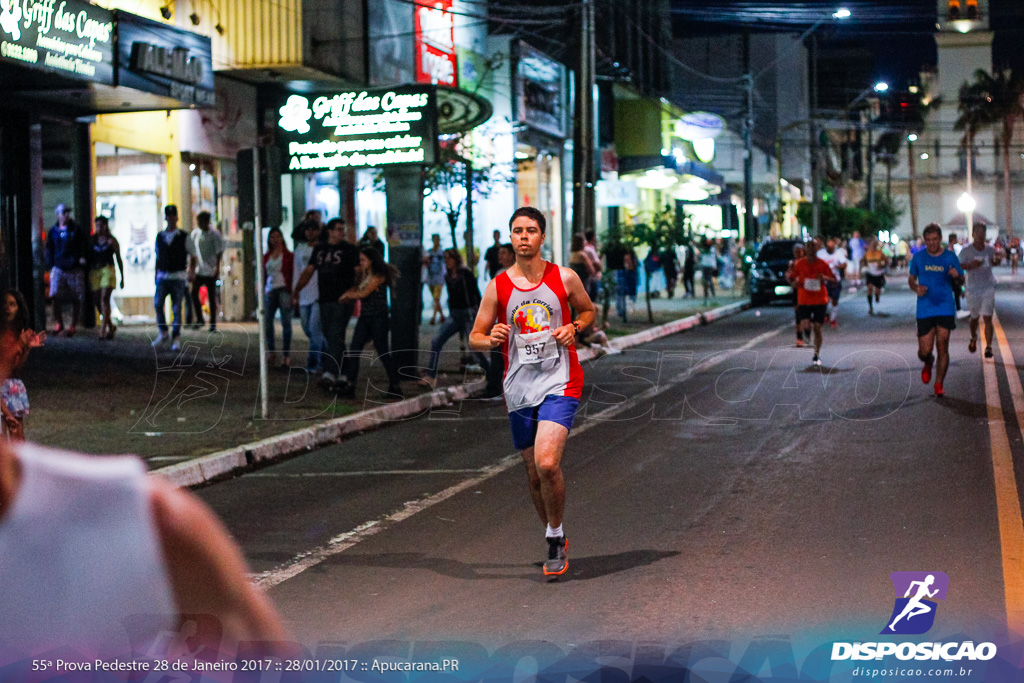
column 912, row 137
column 966, row 204
column 841, row 14
column 881, row 86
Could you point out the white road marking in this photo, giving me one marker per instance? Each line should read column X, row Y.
column 343, row 542
column 363, row 473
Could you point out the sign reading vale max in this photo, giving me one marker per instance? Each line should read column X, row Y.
column 66, row 36
column 359, row 128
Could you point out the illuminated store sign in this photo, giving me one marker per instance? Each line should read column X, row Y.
column 66, row 36
column 540, row 87
column 164, row 60
column 700, row 125
column 359, row 129
column 436, row 60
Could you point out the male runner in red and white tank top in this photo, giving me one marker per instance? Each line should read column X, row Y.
column 526, row 311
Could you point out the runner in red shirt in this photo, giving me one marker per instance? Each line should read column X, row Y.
column 809, row 276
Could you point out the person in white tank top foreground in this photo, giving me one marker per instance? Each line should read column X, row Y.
column 526, row 312
column 99, row 560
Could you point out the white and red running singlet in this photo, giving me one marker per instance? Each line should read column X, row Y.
column 536, row 365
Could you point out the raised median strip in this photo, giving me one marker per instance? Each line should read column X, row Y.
column 260, row 453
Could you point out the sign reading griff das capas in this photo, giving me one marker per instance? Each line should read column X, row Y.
column 359, row 129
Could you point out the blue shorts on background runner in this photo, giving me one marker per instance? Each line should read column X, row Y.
column 558, row 409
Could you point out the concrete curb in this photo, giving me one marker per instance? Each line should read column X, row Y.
column 241, row 458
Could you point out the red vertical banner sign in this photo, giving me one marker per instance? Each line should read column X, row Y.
column 436, row 61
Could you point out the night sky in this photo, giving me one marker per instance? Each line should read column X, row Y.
column 884, row 39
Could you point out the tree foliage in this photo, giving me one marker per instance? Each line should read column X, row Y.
column 841, row 221
column 445, row 181
column 661, row 230
column 993, row 100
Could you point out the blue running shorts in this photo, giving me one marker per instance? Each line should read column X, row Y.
column 558, row 409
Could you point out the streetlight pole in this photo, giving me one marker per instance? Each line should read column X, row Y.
column 871, row 167
column 750, row 232
column 583, row 143
column 911, row 164
column 813, row 108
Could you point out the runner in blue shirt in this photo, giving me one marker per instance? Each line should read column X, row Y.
column 933, row 272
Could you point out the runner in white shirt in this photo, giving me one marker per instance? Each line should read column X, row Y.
column 977, row 258
column 835, row 257
column 857, row 247
column 875, row 263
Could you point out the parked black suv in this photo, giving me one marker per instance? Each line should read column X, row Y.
column 768, row 273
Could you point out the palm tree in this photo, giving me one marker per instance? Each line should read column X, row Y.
column 885, row 150
column 993, row 99
column 914, row 120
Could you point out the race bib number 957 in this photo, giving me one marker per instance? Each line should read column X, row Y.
column 536, row 347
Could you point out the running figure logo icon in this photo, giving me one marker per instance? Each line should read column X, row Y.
column 914, row 612
column 531, row 317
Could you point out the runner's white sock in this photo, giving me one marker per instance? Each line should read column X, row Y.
column 554, row 533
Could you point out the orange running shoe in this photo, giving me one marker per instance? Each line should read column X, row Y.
column 558, row 556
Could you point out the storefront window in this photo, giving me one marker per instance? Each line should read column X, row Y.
column 131, row 190
column 539, row 184
column 371, row 202
column 203, row 180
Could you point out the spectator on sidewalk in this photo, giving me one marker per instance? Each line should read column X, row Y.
column 433, row 260
column 627, row 283
column 315, row 215
column 590, row 248
column 727, row 261
column 491, row 256
column 66, row 255
column 670, row 267
column 856, row 248
column 278, row 269
column 580, row 263
column 496, row 360
column 470, row 260
column 171, row 276
column 308, row 303
column 91, row 544
column 371, row 239
column 206, row 247
column 595, row 336
column 334, row 262
column 374, row 322
column 708, row 269
column 689, row 269
column 13, row 395
column 652, row 271
column 103, row 254
column 463, row 301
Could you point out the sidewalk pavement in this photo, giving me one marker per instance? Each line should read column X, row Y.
column 172, row 408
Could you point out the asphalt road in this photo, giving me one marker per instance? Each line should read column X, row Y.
column 720, row 490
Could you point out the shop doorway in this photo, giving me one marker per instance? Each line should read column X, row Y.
column 131, row 191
